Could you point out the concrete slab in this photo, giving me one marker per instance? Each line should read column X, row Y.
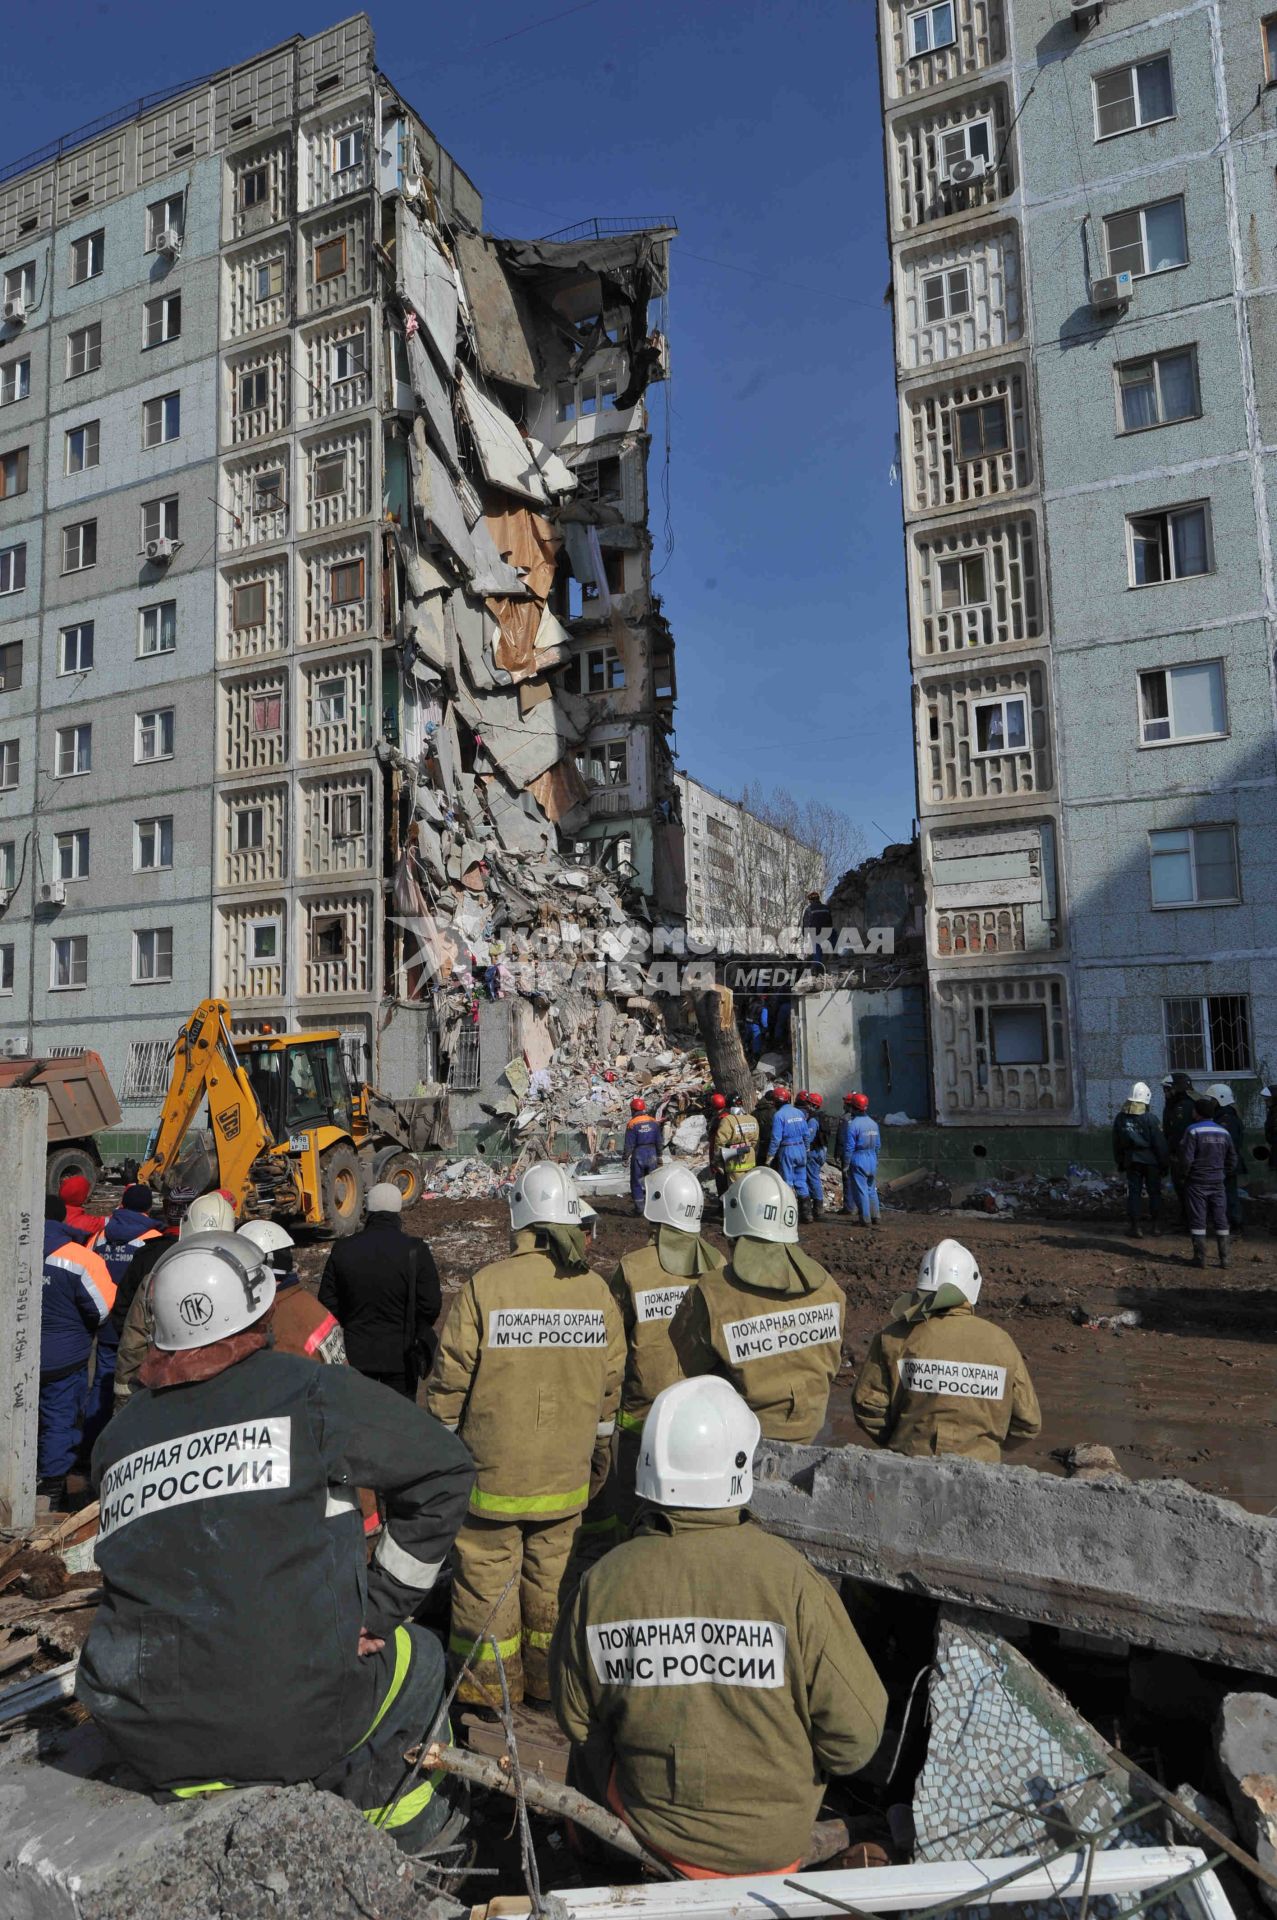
column 1153, row 1562
column 1246, row 1745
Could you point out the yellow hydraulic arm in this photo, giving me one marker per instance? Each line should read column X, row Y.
column 205, row 1067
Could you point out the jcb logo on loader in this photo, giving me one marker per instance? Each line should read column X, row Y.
column 228, row 1122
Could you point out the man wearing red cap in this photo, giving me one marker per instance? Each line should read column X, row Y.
column 642, row 1150
column 857, row 1150
column 74, row 1191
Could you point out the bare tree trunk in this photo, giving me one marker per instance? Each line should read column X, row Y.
column 715, row 1016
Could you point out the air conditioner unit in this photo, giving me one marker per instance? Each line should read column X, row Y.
column 53, row 893
column 16, row 1047
column 169, row 242
column 963, row 172
column 1112, row 292
column 15, row 309
column 161, row 550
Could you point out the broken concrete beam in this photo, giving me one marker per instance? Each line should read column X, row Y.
column 1246, row 1747
column 1153, row 1562
column 74, row 1846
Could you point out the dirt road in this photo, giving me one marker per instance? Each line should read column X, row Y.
column 1191, row 1393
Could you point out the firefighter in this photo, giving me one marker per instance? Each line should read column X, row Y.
column 648, row 1287
column 298, row 1323
column 529, row 1372
column 939, row 1380
column 1140, row 1152
column 242, row 1636
column 770, row 1321
column 642, row 1150
column 859, row 1144
column 715, row 1115
column 708, row 1678
column 736, row 1144
column 208, row 1213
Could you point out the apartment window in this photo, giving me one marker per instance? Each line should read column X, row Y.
column 607, row 763
column 328, row 938
column 1017, row 1036
column 19, row 283
column 73, row 751
column 69, row 962
column 84, row 349
column 13, row 472
column 1182, row 703
column 154, row 738
column 268, row 712
column 161, row 319
column 268, row 280
column 165, row 216
column 161, row 419
column 348, row 150
column 601, row 671
column 330, row 703
column 1269, row 30
column 264, row 939
column 565, row 402
column 1130, row 97
column 152, row 955
column 963, row 582
column 981, row 430
column 159, row 519
column 13, row 568
column 330, row 475
column 79, row 546
column 346, row 816
column 6, row 968
column 157, row 628
column 1157, row 391
column 972, row 142
column 250, row 829
column 346, row 359
column 73, row 854
column 254, row 187
column 254, row 390
column 15, row 380
column 948, row 294
column 248, row 605
column 75, row 648
column 9, row 762
column 153, row 844
column 1146, row 240
column 82, row 447
column 346, row 583
column 268, row 491
column 10, row 666
column 87, row 256
column 601, row 480
column 929, row 28
column 1001, row 726
column 1170, row 545
column 8, row 864
column 1210, row 1034
column 330, row 258
column 1194, row 867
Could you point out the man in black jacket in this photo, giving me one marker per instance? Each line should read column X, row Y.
column 242, row 1638
column 1177, row 1117
column 1139, row 1149
column 383, row 1286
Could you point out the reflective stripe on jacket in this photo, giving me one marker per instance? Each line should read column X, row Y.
column 648, row 1298
column 76, row 1296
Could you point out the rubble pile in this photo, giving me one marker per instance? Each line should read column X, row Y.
column 1079, row 1192
column 46, row 1609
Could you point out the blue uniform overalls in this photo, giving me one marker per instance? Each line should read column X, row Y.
column 643, row 1151
column 817, row 1154
column 76, row 1297
column 859, row 1144
column 787, row 1148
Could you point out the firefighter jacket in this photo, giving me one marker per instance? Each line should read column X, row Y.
column 643, row 1137
column 771, row 1323
column 719, row 1683
column 736, row 1144
column 945, row 1382
column 131, row 1316
column 234, row 1566
column 1207, row 1155
column 529, row 1374
column 648, row 1288
column 76, row 1296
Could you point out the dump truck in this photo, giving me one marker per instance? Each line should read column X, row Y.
column 288, row 1137
column 82, row 1104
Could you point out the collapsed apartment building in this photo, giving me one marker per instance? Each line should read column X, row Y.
column 391, row 607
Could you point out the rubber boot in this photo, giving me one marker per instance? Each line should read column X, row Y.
column 1221, row 1244
column 817, row 1210
column 804, row 1211
column 1134, row 1230
column 1199, row 1249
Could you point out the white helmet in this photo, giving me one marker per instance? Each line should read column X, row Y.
column 210, row 1213
column 1265, row 1093
column 948, row 1264
column 208, row 1286
column 675, row 1198
column 545, row 1196
column 1220, row 1092
column 698, row 1446
column 268, row 1235
column 761, row 1207
column 1140, row 1091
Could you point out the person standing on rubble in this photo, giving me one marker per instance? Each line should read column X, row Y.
column 708, row 1678
column 382, row 1285
column 529, row 1373
column 649, row 1286
column 1140, row 1152
column 938, row 1379
column 771, row 1321
column 642, row 1150
column 1177, row 1118
column 243, row 1637
column 1207, row 1159
column 858, row 1146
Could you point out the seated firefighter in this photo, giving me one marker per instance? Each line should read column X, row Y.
column 241, row 1637
column 939, row 1380
column 709, row 1679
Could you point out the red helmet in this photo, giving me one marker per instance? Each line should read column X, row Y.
column 781, row 1093
column 802, row 1099
column 638, row 1106
column 719, row 1102
column 816, row 1099
column 858, row 1101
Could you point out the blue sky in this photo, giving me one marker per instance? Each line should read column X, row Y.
column 756, row 123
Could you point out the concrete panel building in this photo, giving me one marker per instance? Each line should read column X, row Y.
column 747, row 881
column 1081, row 215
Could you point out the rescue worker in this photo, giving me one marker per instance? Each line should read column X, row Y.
column 81, row 1226
column 715, row 1114
column 787, row 1145
column 708, row 1678
column 736, row 1144
column 1207, row 1158
column 771, row 1321
column 940, row 1380
column 1177, row 1118
column 206, row 1213
column 765, row 1108
column 648, row 1287
column 299, row 1324
column 817, row 1150
column 642, row 1150
column 242, row 1636
column 128, row 1229
column 76, row 1296
column 383, row 1286
column 1140, row 1152
column 529, row 1372
column 1231, row 1120
column 1270, row 1119
column 858, row 1146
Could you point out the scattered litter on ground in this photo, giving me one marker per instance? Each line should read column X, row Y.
column 1107, row 1322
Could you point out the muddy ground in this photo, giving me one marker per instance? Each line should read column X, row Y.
column 1190, row 1394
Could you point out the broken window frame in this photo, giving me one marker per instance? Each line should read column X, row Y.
column 1132, row 255
column 464, row 1060
column 1180, row 850
column 347, row 815
column 1148, row 700
column 1126, row 381
column 254, row 186
column 268, row 490
column 331, row 926
column 954, row 288
column 605, row 764
column 1131, row 72
column 609, row 666
column 1198, row 1043
column 938, row 10
column 1156, row 534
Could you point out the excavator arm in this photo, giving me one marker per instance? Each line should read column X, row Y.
column 205, row 1067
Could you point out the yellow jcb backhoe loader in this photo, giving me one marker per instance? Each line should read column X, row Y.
column 289, row 1135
